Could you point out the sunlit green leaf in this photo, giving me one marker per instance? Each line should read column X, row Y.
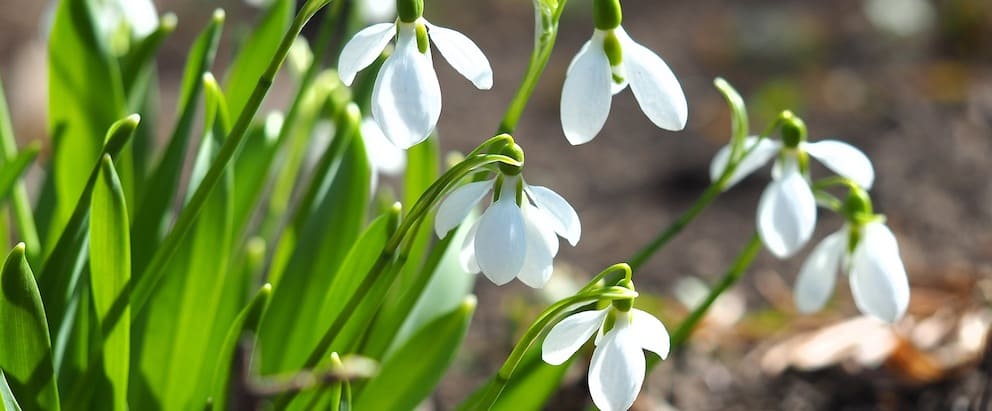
column 23, row 215
column 245, row 325
column 256, row 52
column 7, row 400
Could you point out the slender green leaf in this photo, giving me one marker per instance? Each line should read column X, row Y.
column 26, row 356
column 251, row 168
column 245, row 325
column 13, row 169
column 23, row 215
column 85, row 95
column 110, row 274
column 533, row 383
column 328, row 220
column 7, row 400
column 59, row 278
column 409, row 375
column 163, row 183
column 256, row 52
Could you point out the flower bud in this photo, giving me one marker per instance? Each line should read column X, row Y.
column 409, row 10
column 793, row 130
column 513, row 151
column 606, row 14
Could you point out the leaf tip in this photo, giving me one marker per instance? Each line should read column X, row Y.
column 168, row 22
column 469, row 303
column 219, row 16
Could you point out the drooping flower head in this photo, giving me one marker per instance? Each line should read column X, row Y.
column 517, row 235
column 605, row 65
column 787, row 210
column 617, row 369
column 406, row 96
column 865, row 249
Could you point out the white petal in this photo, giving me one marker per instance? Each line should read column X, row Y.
column 650, row 333
column 458, row 204
column 376, row 10
column 141, row 16
column 817, row 277
column 383, row 155
column 761, row 151
column 561, row 215
column 363, row 49
column 500, row 244
column 406, row 97
column 878, row 278
column 463, row 55
column 585, row 97
column 654, row 85
column 542, row 245
column 566, row 337
column 466, row 256
column 786, row 214
column 843, row 159
column 617, row 370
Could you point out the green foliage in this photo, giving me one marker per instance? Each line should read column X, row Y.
column 7, row 400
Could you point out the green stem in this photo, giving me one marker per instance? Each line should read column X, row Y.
column 156, row 268
column 535, row 67
column 741, row 264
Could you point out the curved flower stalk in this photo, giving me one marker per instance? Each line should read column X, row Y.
column 406, row 96
column 867, row 250
column 787, row 210
column 605, row 65
column 617, row 369
column 516, row 237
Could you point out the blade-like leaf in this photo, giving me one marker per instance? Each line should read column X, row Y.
column 163, row 183
column 408, row 376
column 533, row 383
column 23, row 215
column 255, row 53
column 7, row 400
column 245, row 325
column 26, row 355
column 110, row 274
column 85, row 95
column 14, row 168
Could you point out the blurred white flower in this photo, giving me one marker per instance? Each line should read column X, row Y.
column 376, row 11
column 406, row 97
column 512, row 239
column 618, row 367
column 787, row 209
column 593, row 78
column 384, row 157
column 876, row 273
column 137, row 18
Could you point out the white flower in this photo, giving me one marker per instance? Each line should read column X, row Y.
column 617, row 368
column 787, row 209
column 374, row 11
column 138, row 17
column 406, row 97
column 384, row 157
column 876, row 273
column 591, row 82
column 510, row 239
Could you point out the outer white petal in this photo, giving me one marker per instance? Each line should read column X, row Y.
column 406, row 97
column 617, row 369
column 761, row 151
column 463, row 55
column 843, row 159
column 650, row 333
column 363, row 49
column 586, row 97
column 566, row 337
column 376, row 10
column 562, row 216
column 458, row 204
column 542, row 246
column 466, row 256
column 818, row 274
column 787, row 214
column 383, row 155
column 878, row 278
column 654, row 85
column 140, row 15
column 501, row 242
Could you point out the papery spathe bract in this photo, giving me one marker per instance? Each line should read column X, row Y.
column 617, row 369
column 591, row 82
column 878, row 278
column 406, row 96
column 787, row 210
column 516, row 237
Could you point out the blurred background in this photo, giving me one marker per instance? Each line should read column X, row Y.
column 907, row 81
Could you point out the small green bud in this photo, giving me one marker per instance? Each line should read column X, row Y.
column 422, row 39
column 513, row 151
column 793, row 130
column 409, row 10
column 857, row 206
column 606, row 14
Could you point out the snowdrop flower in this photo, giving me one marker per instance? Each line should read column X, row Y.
column 384, row 157
column 617, row 368
column 136, row 18
column 516, row 236
column 406, row 96
column 787, row 209
column 605, row 65
column 867, row 250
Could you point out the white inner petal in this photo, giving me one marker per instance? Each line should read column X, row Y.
column 501, row 242
column 787, row 214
